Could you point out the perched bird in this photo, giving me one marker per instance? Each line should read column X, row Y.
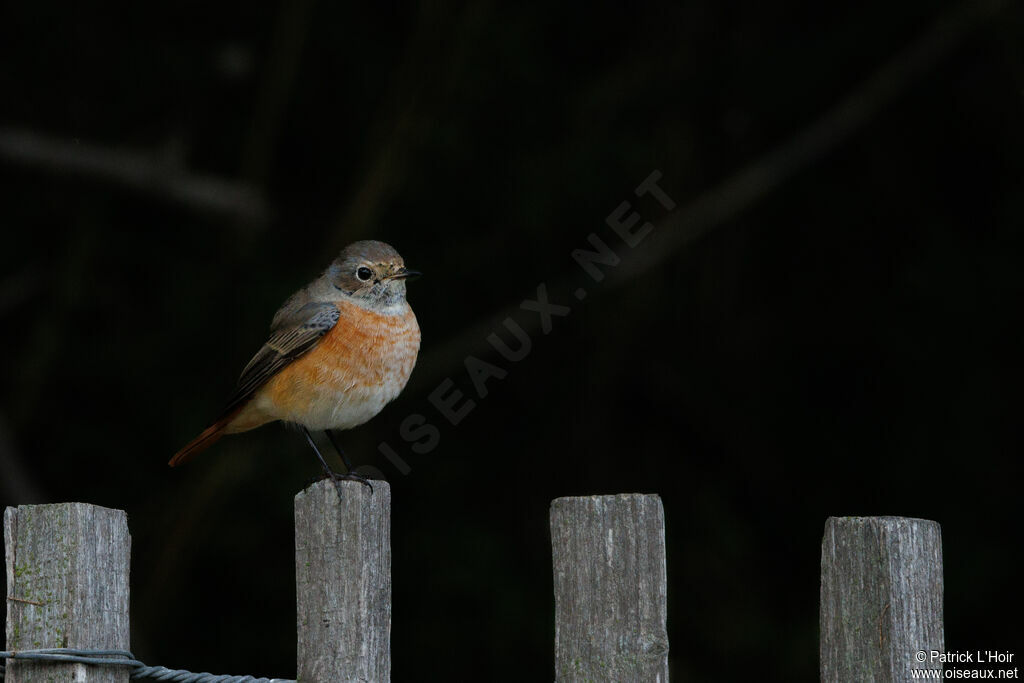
column 340, row 349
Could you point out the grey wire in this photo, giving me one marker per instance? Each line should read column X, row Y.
column 126, row 658
column 161, row 673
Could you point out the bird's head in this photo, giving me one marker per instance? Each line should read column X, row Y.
column 371, row 274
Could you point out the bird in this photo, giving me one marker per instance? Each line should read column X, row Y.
column 339, row 350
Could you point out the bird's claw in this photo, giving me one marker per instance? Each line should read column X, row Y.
column 337, row 477
column 351, row 476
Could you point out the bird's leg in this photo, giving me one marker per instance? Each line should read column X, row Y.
column 334, row 476
column 348, row 463
column 344, row 458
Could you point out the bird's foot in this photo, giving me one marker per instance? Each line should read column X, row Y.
column 338, row 477
column 335, row 477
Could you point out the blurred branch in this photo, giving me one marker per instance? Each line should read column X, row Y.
column 19, row 287
column 46, row 336
column 749, row 185
column 136, row 171
column 765, row 175
column 431, row 67
column 16, row 486
column 292, row 27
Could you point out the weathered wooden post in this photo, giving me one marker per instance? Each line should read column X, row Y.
column 881, row 598
column 343, row 582
column 610, row 588
column 67, row 585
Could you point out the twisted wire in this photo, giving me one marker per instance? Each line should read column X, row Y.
column 139, row 670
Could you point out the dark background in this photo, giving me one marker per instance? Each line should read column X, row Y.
column 822, row 327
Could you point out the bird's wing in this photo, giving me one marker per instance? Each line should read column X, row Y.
column 296, row 329
column 292, row 336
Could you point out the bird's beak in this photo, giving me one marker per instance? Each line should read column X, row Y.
column 403, row 273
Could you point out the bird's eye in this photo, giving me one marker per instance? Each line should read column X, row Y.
column 364, row 273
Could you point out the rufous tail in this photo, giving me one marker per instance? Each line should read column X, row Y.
column 207, row 438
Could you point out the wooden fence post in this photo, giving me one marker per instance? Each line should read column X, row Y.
column 343, row 582
column 67, row 585
column 610, row 588
column 881, row 598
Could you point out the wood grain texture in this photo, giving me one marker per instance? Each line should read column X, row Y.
column 343, row 583
column 610, row 588
column 68, row 566
column 881, row 597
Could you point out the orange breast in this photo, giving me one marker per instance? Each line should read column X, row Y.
column 360, row 365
